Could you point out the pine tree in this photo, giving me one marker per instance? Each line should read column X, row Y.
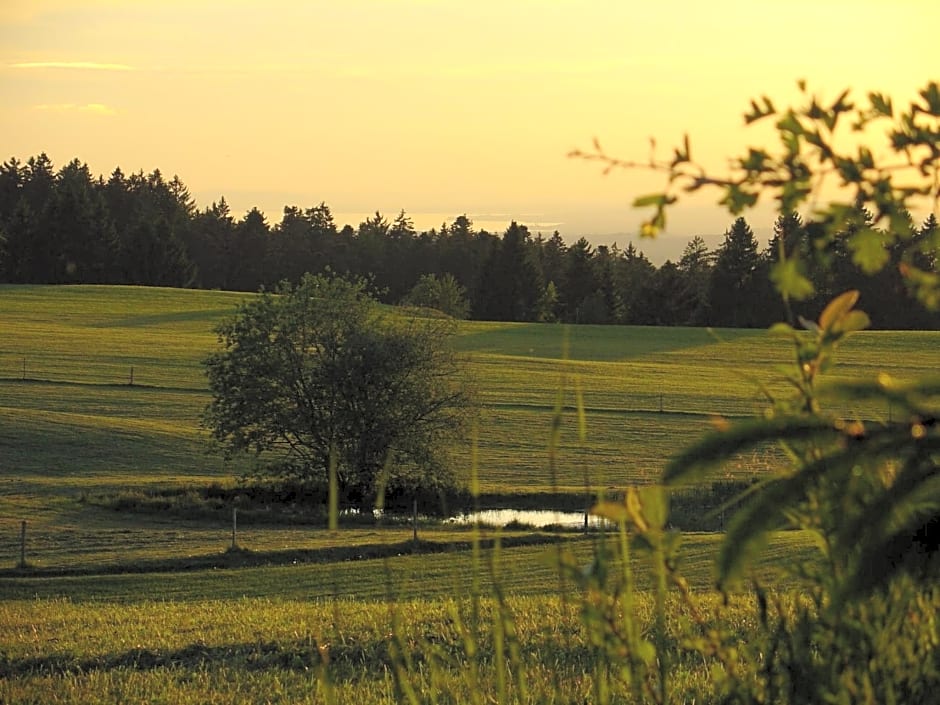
column 632, row 274
column 735, row 284
column 80, row 231
column 509, row 287
column 695, row 267
column 580, row 282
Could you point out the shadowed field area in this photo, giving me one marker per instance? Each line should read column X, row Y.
column 101, row 395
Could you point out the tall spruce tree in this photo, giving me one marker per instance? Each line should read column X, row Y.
column 80, row 231
column 735, row 286
column 509, row 287
column 580, row 283
column 632, row 273
column 695, row 266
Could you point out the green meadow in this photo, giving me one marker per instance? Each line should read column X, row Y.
column 102, row 388
column 101, row 392
column 254, row 650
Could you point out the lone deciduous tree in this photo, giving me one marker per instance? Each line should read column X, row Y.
column 443, row 293
column 316, row 377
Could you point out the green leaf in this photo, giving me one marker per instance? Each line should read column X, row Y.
column 755, row 160
column 899, row 225
column 792, row 143
column 838, row 308
column 840, row 105
column 849, row 170
column 646, row 651
column 868, row 250
column 612, row 511
column 634, row 507
column 898, row 548
column 694, row 463
column 655, row 503
column 838, row 216
column 881, row 104
column 792, row 194
column 816, row 112
column 737, row 554
column 925, row 285
column 790, row 123
column 649, row 229
column 885, row 387
column 931, row 94
column 769, row 507
column 851, row 322
column 653, row 199
column 747, row 531
column 915, row 490
column 659, row 219
column 683, row 154
column 790, row 281
column 672, row 542
column 782, row 329
column 757, row 113
column 811, row 326
column 737, row 199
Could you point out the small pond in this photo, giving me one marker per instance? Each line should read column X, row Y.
column 531, row 517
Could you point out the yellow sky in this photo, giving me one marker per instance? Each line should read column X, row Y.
column 440, row 108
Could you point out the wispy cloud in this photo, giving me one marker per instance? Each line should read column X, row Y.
column 32, row 10
column 72, row 65
column 87, row 108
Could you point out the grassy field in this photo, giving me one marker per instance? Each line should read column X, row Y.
column 72, row 426
column 101, row 391
column 274, row 651
column 69, row 353
column 525, row 569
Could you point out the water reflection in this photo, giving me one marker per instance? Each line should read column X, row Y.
column 531, row 517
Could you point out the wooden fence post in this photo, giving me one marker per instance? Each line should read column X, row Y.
column 22, row 563
column 414, row 519
column 234, row 528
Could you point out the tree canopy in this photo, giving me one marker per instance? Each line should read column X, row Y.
column 66, row 226
column 321, row 381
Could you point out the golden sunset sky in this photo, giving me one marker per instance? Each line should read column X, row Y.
column 435, row 107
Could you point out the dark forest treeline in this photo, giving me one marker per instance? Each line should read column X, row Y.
column 68, row 226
